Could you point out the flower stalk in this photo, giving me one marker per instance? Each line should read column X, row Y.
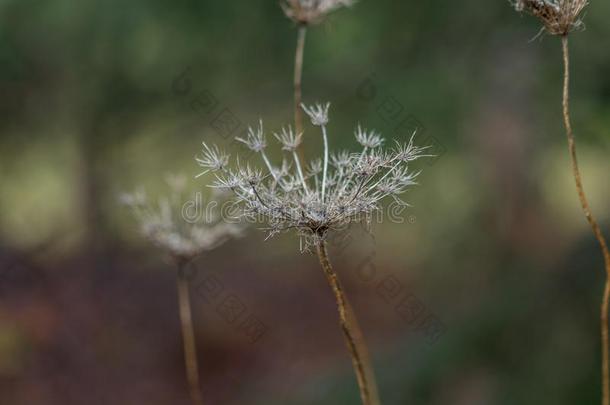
column 305, row 13
column 188, row 336
column 169, row 227
column 560, row 18
column 325, row 162
column 298, row 77
column 294, row 200
column 349, row 327
column 590, row 218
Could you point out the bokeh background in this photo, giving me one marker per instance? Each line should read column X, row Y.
column 488, row 293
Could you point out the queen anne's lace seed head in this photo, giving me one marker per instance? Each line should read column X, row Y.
column 289, row 140
column 317, row 113
column 165, row 225
column 306, row 12
column 250, row 176
column 314, row 168
column 341, row 160
column 212, row 158
column 368, row 139
column 255, row 139
column 559, row 17
column 325, row 194
column 408, row 152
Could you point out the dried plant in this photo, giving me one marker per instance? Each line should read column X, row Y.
column 308, row 12
column 305, row 13
column 560, row 17
column 328, row 194
column 166, row 228
column 164, row 225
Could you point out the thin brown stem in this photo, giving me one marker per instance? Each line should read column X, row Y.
column 349, row 326
column 604, row 331
column 298, row 77
column 188, row 337
column 596, row 229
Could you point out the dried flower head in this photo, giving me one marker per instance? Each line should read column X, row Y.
column 328, row 193
column 289, row 140
column 212, row 158
column 559, row 17
column 255, row 139
column 368, row 139
column 307, row 12
column 317, row 113
column 166, row 225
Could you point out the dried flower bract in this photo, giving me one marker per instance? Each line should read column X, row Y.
column 559, row 17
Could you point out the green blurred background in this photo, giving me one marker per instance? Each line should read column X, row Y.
column 101, row 96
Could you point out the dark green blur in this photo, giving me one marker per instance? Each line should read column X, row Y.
column 100, row 96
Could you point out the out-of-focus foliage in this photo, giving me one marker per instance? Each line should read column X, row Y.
column 100, row 96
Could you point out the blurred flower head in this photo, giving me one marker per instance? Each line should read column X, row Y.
column 328, row 193
column 559, row 17
column 307, row 12
column 165, row 225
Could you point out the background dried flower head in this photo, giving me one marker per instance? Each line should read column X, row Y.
column 162, row 222
column 559, row 17
column 307, row 12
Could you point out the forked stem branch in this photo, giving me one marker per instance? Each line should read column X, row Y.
column 188, row 337
column 366, row 384
column 596, row 229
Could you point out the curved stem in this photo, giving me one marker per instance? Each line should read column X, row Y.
column 188, row 338
column 594, row 226
column 357, row 350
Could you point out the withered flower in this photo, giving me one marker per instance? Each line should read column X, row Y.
column 559, row 17
column 307, row 12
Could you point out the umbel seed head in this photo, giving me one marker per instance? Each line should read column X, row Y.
column 307, row 12
column 559, row 17
column 327, row 193
column 165, row 224
column 317, row 113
